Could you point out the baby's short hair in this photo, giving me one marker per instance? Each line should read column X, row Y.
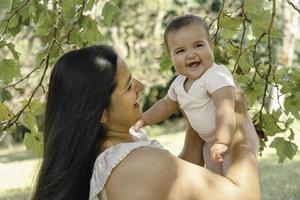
column 183, row 21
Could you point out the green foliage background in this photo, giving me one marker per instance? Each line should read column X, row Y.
column 247, row 36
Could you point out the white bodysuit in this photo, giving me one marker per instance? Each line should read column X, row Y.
column 199, row 108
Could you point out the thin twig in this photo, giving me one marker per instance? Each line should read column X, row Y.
column 25, row 77
column 67, row 35
column 46, row 58
column 269, row 46
column 254, row 57
column 218, row 22
column 242, row 39
column 60, row 46
column 293, row 5
column 13, row 14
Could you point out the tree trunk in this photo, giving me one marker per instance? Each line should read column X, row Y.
column 286, row 53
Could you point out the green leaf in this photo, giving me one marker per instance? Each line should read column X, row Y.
column 37, row 108
column 251, row 96
column 90, row 4
column 14, row 31
column 227, row 34
column 2, row 27
column 20, row 90
column 116, row 1
column 228, row 26
column 252, row 7
column 288, row 122
column 25, row 15
column 34, row 142
column 4, row 112
column 292, row 104
column 9, row 69
column 68, row 8
column 219, row 55
column 5, row 95
column 91, row 34
column 30, row 121
column 109, row 11
column 287, row 85
column 231, row 51
column 2, row 44
column 165, row 63
column 261, row 22
column 245, row 62
column 11, row 47
column 284, row 148
column 276, row 114
column 276, row 33
column 270, row 125
column 45, row 24
column 14, row 21
column 75, row 38
column 228, row 22
column 292, row 135
column 5, row 6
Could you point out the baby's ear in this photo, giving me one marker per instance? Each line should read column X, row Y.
column 104, row 117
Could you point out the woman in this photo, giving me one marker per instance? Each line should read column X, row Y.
column 92, row 103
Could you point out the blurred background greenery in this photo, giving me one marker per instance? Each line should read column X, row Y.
column 258, row 40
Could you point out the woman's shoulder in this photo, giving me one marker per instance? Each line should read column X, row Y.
column 149, row 171
column 111, row 158
column 156, row 174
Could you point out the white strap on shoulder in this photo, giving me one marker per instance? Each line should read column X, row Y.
column 109, row 159
column 103, row 194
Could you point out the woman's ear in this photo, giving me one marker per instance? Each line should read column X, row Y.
column 104, row 117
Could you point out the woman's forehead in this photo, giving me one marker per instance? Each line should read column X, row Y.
column 123, row 73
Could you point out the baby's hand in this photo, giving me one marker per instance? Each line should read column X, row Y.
column 218, row 151
column 139, row 124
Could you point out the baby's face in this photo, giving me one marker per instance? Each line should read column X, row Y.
column 190, row 51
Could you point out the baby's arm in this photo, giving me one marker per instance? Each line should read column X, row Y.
column 192, row 150
column 225, row 121
column 159, row 112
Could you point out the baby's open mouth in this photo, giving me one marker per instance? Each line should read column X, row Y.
column 193, row 64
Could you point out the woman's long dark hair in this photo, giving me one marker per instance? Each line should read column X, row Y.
column 80, row 88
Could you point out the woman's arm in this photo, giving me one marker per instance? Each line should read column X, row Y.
column 192, row 150
column 149, row 173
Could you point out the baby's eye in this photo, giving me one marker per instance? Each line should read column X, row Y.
column 198, row 45
column 179, row 51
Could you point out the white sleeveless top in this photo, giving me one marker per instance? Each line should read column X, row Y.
column 109, row 159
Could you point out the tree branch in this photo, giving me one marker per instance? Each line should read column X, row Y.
column 218, row 22
column 46, row 59
column 25, row 77
column 269, row 46
column 67, row 35
column 14, row 12
column 242, row 39
column 293, row 5
column 254, row 57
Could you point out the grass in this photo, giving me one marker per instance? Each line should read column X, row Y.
column 278, row 181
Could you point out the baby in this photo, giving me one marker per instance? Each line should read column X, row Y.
column 203, row 90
